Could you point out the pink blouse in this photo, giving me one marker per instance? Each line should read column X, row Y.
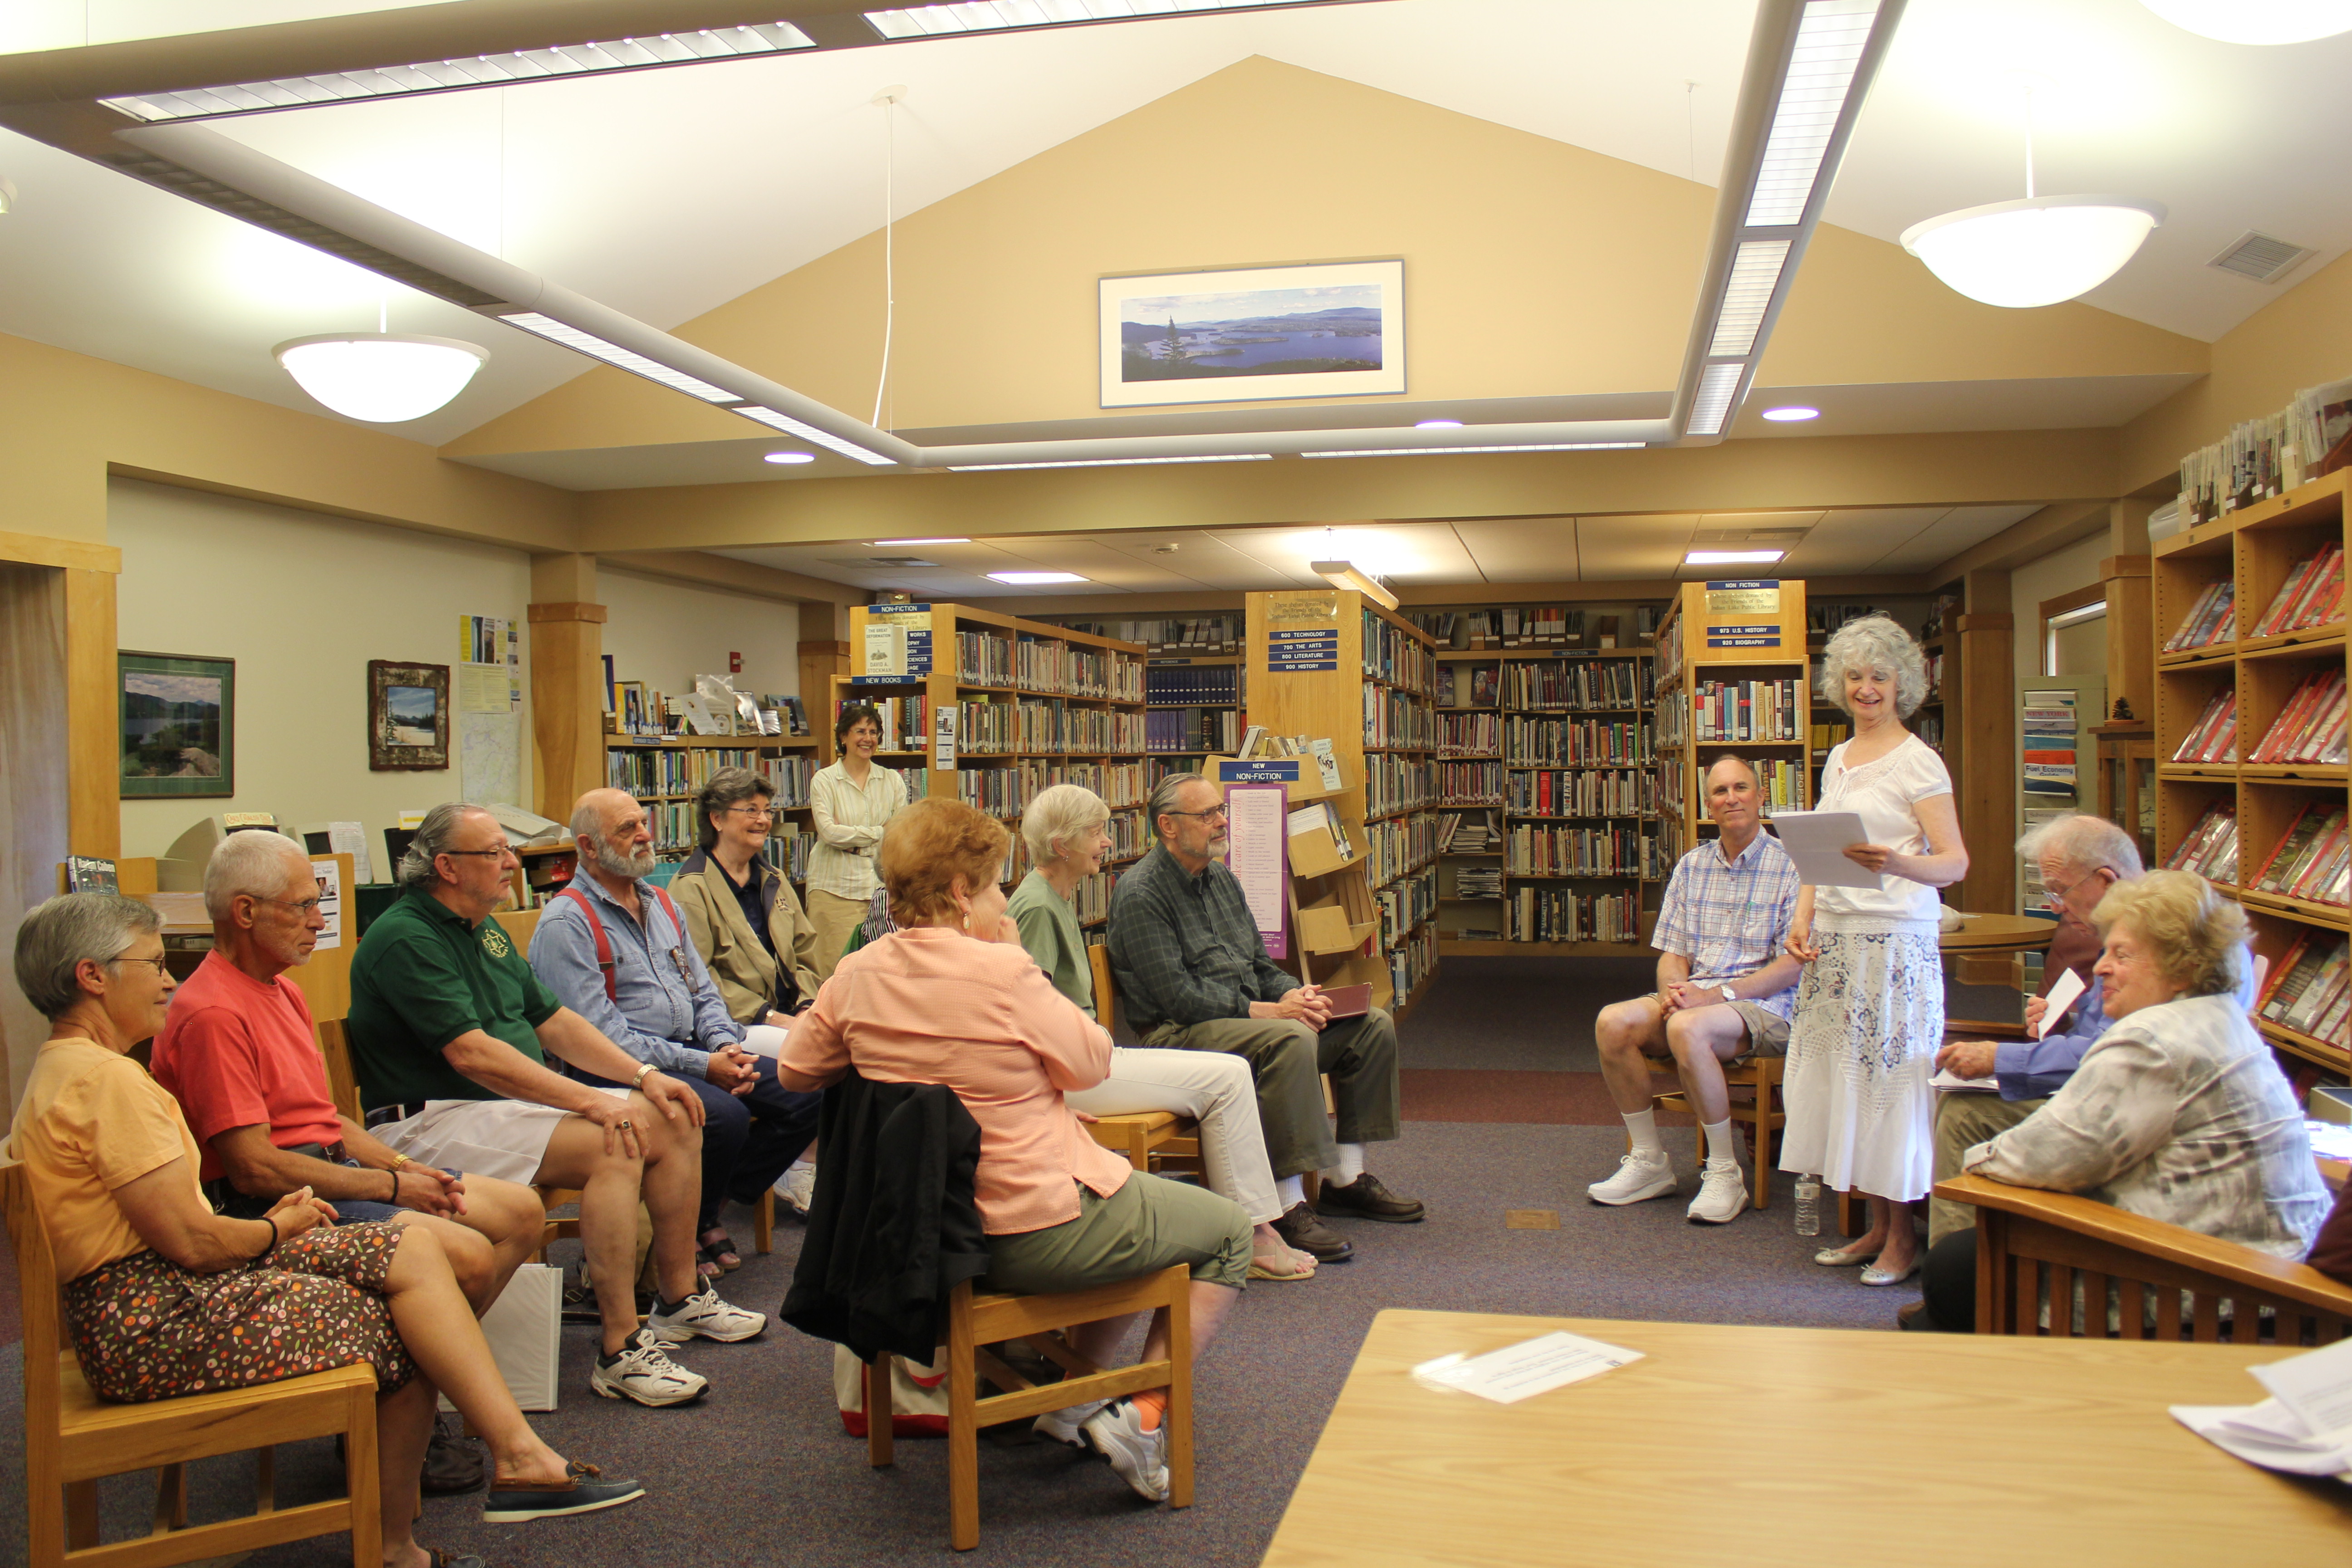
column 926, row 1005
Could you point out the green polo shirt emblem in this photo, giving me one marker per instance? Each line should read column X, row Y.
column 494, row 941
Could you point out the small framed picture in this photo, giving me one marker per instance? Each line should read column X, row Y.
column 408, row 717
column 1248, row 334
column 178, row 722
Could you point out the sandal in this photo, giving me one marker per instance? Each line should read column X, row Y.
column 1265, row 1266
column 721, row 1254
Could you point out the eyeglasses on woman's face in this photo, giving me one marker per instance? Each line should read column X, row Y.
column 755, row 813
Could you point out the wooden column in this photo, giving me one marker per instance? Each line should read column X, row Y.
column 94, row 743
column 2131, row 636
column 1986, row 746
column 821, row 659
column 567, row 702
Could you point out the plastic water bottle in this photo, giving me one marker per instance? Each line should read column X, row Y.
column 1809, row 1206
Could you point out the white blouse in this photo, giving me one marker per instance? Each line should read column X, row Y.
column 1884, row 792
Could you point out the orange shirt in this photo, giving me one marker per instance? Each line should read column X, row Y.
column 933, row 1006
column 235, row 1053
column 92, row 1121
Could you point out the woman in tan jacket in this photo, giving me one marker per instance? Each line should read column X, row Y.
column 741, row 912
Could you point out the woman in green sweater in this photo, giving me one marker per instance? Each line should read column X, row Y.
column 1064, row 831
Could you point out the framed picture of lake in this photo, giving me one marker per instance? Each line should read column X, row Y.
column 1253, row 333
column 408, row 717
column 179, row 724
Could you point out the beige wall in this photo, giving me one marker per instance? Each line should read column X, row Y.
column 664, row 634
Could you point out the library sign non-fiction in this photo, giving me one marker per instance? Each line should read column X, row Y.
column 1729, row 601
column 897, row 644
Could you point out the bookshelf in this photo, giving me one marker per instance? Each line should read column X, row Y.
column 1544, row 733
column 1365, row 679
column 2268, row 675
column 1195, row 683
column 1034, row 704
column 667, row 771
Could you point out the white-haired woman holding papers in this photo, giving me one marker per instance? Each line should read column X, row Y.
column 1870, row 1008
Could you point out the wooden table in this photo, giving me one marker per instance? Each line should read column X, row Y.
column 1984, row 934
column 1845, row 1445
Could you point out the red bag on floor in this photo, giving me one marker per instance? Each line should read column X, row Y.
column 919, row 1396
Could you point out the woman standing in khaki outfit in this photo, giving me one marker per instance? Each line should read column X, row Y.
column 852, row 802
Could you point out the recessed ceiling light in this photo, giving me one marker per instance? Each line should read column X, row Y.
column 1732, row 557
column 1024, row 579
column 940, row 541
column 1437, row 424
column 1791, row 414
column 789, row 458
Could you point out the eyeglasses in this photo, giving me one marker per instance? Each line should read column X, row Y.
column 302, row 906
column 1212, row 811
column 159, row 962
column 501, row 853
column 756, row 813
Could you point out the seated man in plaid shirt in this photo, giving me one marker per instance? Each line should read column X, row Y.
column 1726, row 987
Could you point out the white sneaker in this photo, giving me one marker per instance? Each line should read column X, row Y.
column 1140, row 1458
column 1066, row 1425
column 705, row 1316
column 1638, row 1176
column 797, row 1187
column 643, row 1371
column 1722, row 1194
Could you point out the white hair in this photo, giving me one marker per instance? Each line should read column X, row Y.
column 433, row 836
column 252, row 862
column 1060, row 813
column 1875, row 645
column 2082, row 844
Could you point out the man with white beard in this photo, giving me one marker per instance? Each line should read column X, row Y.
column 613, row 949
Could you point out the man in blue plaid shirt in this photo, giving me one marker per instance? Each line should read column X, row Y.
column 1726, row 987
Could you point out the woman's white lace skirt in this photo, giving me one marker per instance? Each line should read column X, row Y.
column 1862, row 1047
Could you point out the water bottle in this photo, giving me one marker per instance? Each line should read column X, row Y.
column 1809, row 1206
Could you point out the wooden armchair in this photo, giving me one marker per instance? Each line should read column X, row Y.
column 2034, row 1248
column 1146, row 1134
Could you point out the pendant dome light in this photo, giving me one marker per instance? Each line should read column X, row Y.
column 2257, row 21
column 2041, row 250
column 381, row 378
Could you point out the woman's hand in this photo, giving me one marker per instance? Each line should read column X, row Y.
column 296, row 1212
column 1875, row 857
column 1801, row 941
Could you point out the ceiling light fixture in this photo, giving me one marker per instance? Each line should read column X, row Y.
column 2041, row 250
column 1029, row 579
column 807, row 431
column 1732, row 557
column 885, row 543
column 2257, row 21
column 1112, row 462
column 1437, row 424
column 619, row 358
column 1468, row 451
column 384, row 378
column 789, row 458
column 1344, row 574
column 457, row 74
column 1791, row 414
column 996, row 16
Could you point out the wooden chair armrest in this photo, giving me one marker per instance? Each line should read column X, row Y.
column 2225, row 1261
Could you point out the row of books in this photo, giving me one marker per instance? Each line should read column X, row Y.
column 1185, row 686
column 1007, row 792
column 1074, row 670
column 1826, row 620
column 1573, row 743
column 2214, row 737
column 2308, row 990
column 1534, row 626
column 1746, row 709
column 789, row 852
column 1579, row 683
column 1397, row 657
column 2262, row 458
column 2208, row 620
column 2311, row 595
column 1532, row 851
column 1091, row 898
column 1561, row 914
column 1404, row 904
column 1410, row 960
column 1782, row 784
column 1478, row 881
column 1587, row 791
column 1001, row 727
column 1469, row 734
column 1220, row 633
column 1468, row 685
column 1191, row 731
column 1934, row 663
column 1394, row 718
column 2312, row 860
column 2310, row 728
column 1398, row 783
column 649, row 773
column 1399, row 845
column 1468, row 834
column 2209, row 848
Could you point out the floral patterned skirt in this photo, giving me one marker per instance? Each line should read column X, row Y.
column 144, row 1328
column 1862, row 1047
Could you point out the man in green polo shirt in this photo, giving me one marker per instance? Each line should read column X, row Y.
column 450, row 1034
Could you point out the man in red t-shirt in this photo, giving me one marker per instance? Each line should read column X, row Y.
column 239, row 1053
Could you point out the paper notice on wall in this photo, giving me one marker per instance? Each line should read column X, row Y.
column 943, row 750
column 489, row 758
column 350, row 838
column 1256, row 851
column 329, row 878
column 489, row 664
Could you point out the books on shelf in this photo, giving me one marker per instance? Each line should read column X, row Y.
column 1193, row 686
column 2209, row 848
column 2310, row 728
column 1746, row 710
column 2311, row 595
column 2312, row 858
column 1563, row 914
column 1596, row 683
column 2308, row 990
column 1460, row 833
column 2214, row 737
column 2209, row 621
column 2261, row 457
column 1584, row 792
column 1469, row 735
column 1467, row 685
column 1470, row 783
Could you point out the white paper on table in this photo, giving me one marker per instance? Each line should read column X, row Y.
column 2266, row 1435
column 2062, row 996
column 1816, row 842
column 2317, row 1386
column 1524, row 1370
column 765, row 1039
column 1946, row 1082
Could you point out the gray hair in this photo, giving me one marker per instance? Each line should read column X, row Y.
column 57, row 937
column 1063, row 811
column 1753, row 776
column 587, row 822
column 432, row 841
column 245, row 863
column 1877, row 645
column 728, row 787
column 1166, row 794
column 2080, row 843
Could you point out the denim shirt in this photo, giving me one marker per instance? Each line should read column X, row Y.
column 2036, row 1069
column 669, row 1018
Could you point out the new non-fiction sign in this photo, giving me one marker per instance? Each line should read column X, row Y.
column 897, row 644
column 1744, row 597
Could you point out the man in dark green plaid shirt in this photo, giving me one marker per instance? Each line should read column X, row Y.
column 1193, row 975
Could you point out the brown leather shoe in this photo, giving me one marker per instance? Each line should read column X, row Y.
column 1300, row 1230
column 1365, row 1198
column 452, row 1464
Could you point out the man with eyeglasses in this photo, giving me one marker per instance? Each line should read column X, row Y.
column 615, row 949
column 450, row 1031
column 1193, row 974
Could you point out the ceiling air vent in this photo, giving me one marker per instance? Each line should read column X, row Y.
column 2260, row 257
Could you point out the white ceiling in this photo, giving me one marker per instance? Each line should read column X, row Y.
column 610, row 187
column 1506, row 549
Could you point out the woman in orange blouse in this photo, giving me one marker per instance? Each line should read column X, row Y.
column 951, row 997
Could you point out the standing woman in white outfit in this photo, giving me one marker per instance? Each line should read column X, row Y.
column 1064, row 831
column 1870, row 1007
column 851, row 802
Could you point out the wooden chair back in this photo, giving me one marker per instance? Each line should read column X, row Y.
column 72, row 1438
column 2045, row 1262
column 1106, row 992
column 342, row 1085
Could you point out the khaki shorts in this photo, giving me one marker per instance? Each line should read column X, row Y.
column 504, row 1139
column 1147, row 1225
column 1768, row 1032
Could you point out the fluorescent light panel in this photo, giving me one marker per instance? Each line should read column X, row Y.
column 1024, row 579
column 619, row 358
column 1110, row 462
column 1732, row 557
column 1829, row 41
column 1754, row 273
column 995, row 16
column 1717, row 382
column 880, row 543
column 1465, row 451
column 480, row 70
column 806, row 432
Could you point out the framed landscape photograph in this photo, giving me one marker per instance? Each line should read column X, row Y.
column 408, row 717
column 179, row 724
column 1253, row 333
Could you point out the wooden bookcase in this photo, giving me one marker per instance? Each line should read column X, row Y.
column 1376, row 704
column 2256, row 547
column 1035, row 705
column 1184, row 654
column 1695, row 653
column 666, row 773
